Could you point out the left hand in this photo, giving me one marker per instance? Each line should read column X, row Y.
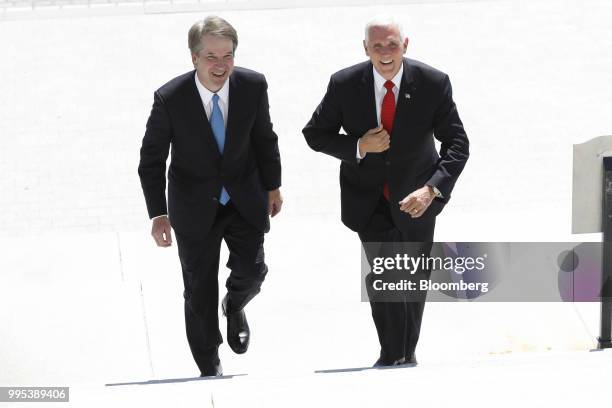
column 417, row 202
column 275, row 202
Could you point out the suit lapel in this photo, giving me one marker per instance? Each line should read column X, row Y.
column 367, row 94
column 200, row 120
column 403, row 111
column 235, row 106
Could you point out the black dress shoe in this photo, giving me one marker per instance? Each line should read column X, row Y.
column 388, row 363
column 238, row 332
column 211, row 367
column 215, row 370
column 404, row 361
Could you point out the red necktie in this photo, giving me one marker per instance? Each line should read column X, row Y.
column 387, row 114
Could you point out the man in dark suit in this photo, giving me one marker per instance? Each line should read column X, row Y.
column 393, row 181
column 223, row 184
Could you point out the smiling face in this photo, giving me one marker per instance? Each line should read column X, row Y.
column 215, row 61
column 386, row 48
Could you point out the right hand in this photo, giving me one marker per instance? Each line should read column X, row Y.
column 161, row 231
column 374, row 141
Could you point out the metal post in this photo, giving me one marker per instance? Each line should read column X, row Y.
column 604, row 340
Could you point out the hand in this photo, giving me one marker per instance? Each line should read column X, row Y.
column 417, row 202
column 161, row 231
column 374, row 141
column 275, row 202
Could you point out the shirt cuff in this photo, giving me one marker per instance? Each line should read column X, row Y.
column 358, row 155
column 163, row 215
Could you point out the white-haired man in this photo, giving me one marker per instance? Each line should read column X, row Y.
column 393, row 181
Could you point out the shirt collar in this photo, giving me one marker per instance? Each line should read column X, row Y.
column 379, row 81
column 207, row 95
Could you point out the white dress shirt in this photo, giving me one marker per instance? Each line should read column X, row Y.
column 206, row 96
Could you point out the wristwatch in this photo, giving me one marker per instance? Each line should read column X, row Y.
column 437, row 192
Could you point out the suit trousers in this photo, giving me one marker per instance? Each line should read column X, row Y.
column 199, row 258
column 397, row 316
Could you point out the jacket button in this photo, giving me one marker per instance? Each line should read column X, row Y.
column 215, row 199
column 388, row 163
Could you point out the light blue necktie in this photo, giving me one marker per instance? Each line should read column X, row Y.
column 218, row 128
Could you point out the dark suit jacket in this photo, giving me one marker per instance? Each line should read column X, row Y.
column 249, row 167
column 424, row 109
